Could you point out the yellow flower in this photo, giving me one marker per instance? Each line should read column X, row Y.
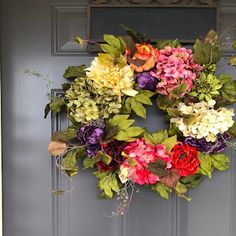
column 118, row 77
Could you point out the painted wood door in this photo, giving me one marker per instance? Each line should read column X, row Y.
column 36, row 36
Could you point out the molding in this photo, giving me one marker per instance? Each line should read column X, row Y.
column 232, row 210
column 157, row 3
column 61, row 15
column 56, row 182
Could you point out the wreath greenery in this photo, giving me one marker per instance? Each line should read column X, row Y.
column 127, row 74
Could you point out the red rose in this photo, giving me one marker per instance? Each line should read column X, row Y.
column 185, row 159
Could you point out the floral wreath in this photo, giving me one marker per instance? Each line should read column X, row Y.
column 103, row 100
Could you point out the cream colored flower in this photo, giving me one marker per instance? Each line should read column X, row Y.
column 206, row 121
column 124, row 173
column 119, row 77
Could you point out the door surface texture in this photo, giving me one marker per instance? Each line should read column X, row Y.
column 37, row 37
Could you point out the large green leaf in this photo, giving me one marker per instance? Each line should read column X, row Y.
column 73, row 72
column 192, row 181
column 169, row 143
column 109, row 184
column 157, row 169
column 162, row 189
column 105, row 158
column 142, row 98
column 56, row 104
column 160, row 136
column 69, row 162
column 138, row 108
column 137, row 37
column 135, row 131
column 205, row 53
column 89, row 162
column 59, row 136
column 220, row 161
column 205, row 164
column 172, row 43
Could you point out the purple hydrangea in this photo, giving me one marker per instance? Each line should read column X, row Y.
column 203, row 146
column 90, row 136
column 146, row 81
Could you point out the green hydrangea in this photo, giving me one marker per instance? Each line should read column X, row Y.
column 87, row 101
column 207, row 86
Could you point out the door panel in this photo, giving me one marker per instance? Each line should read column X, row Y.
column 29, row 176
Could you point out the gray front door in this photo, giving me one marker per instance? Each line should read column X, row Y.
column 31, row 38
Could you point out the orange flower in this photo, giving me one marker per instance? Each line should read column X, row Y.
column 145, row 57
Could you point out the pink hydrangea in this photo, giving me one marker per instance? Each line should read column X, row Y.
column 143, row 154
column 174, row 67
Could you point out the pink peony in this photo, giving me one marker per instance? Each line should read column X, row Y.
column 174, row 67
column 143, row 154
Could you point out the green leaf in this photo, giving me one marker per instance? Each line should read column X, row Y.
column 146, row 93
column 71, row 132
column 163, row 43
column 192, row 181
column 101, row 174
column 114, row 183
column 205, row 53
column 108, row 184
column 110, row 132
column 89, row 162
column 173, row 130
column 220, row 161
column 58, row 192
column 149, row 138
column 170, row 143
column 123, row 136
column 232, row 61
column 59, row 136
column 81, row 152
column 163, row 102
column 162, row 190
column 112, row 41
column 46, row 110
column 125, row 124
column 232, row 130
column 56, row 104
column 234, row 45
column 69, row 161
column 180, row 90
column 80, row 41
column 73, row 72
column 157, row 169
column 137, row 37
column 135, row 131
column 130, row 44
column 205, row 164
column 173, row 112
column 160, row 136
column 104, row 157
column 115, row 120
column 65, row 86
column 224, row 78
column 110, row 50
column 228, row 90
column 138, row 108
column 143, row 99
column 180, row 190
column 72, row 172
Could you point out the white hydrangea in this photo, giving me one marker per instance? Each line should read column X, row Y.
column 201, row 120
